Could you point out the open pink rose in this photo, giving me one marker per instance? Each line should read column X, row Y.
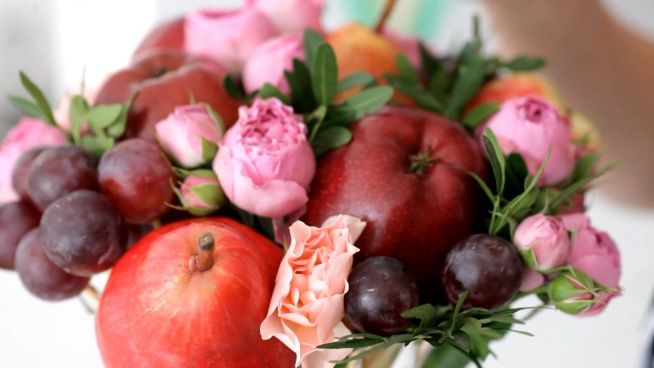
column 532, row 127
column 189, row 135
column 543, row 241
column 28, row 133
column 292, row 15
column 227, row 36
column 265, row 163
column 307, row 303
column 595, row 253
column 269, row 61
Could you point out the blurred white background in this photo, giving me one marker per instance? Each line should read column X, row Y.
column 55, row 40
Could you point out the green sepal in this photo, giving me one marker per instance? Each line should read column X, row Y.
column 529, row 257
column 209, row 150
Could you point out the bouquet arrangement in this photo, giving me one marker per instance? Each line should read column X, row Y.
column 267, row 193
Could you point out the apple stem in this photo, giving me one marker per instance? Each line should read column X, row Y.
column 202, row 260
column 386, row 13
column 420, row 162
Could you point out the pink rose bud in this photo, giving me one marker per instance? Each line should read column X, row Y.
column 575, row 292
column 200, row 193
column 531, row 280
column 291, row 15
column 227, row 36
column 533, row 127
column 307, row 304
column 265, row 163
column 596, row 254
column 543, row 242
column 269, row 61
column 27, row 134
column 190, row 135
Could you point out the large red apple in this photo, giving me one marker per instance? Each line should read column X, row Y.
column 192, row 294
column 163, row 80
column 406, row 173
column 165, row 36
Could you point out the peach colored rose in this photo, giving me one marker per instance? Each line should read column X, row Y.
column 306, row 307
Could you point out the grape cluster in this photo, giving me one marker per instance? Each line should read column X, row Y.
column 76, row 215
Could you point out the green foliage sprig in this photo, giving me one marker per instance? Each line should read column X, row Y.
column 447, row 85
column 468, row 331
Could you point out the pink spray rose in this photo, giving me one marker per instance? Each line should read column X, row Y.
column 28, row 133
column 269, row 61
column 265, row 163
column 189, row 135
column 531, row 127
column 596, row 254
column 200, row 193
column 291, row 15
column 307, row 305
column 543, row 242
column 227, row 36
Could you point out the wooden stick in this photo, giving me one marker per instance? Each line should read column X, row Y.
column 388, row 9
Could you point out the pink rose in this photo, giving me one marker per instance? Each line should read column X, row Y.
column 265, row 163
column 307, row 304
column 28, row 133
column 531, row 280
column 62, row 112
column 596, row 254
column 269, row 61
column 291, row 15
column 543, row 242
column 531, row 127
column 227, row 36
column 189, row 135
column 200, row 193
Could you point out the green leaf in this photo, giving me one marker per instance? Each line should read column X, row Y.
column 324, row 74
column 367, row 101
column 77, row 112
column 102, row 116
column 425, row 313
column 427, row 61
column 524, row 63
column 299, row 81
column 405, row 69
column 330, row 138
column 357, row 79
column 446, row 356
column 496, row 157
column 419, row 94
column 26, row 106
column 96, row 145
column 233, row 88
column 479, row 114
column 117, row 129
column 268, row 91
column 39, row 98
column 312, row 40
column 478, row 343
column 470, row 76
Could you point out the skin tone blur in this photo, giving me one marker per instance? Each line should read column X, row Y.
column 602, row 69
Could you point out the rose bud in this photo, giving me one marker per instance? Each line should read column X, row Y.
column 190, row 135
column 227, row 36
column 531, row 280
column 269, row 61
column 265, row 163
column 200, row 193
column 594, row 253
column 575, row 292
column 533, row 128
column 27, row 134
column 291, row 15
column 543, row 242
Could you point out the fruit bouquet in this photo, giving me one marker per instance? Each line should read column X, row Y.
column 267, row 193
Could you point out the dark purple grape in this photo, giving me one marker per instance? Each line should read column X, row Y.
column 487, row 267
column 83, row 233
column 19, row 177
column 16, row 219
column 381, row 289
column 58, row 171
column 40, row 276
column 136, row 176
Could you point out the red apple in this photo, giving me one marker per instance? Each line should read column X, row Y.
column 167, row 36
column 163, row 80
column 192, row 294
column 405, row 173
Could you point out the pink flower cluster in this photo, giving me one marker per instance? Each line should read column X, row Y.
column 548, row 244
